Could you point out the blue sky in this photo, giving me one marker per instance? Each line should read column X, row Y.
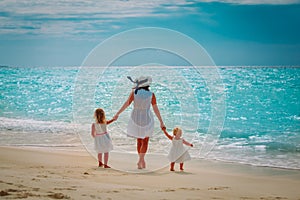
column 233, row 32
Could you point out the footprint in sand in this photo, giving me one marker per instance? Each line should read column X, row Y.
column 218, row 188
column 73, row 189
column 190, row 189
column 272, row 198
column 20, row 194
column 133, row 189
column 176, row 189
column 3, row 193
column 42, row 176
column 58, row 196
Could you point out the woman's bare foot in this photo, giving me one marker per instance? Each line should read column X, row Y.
column 139, row 165
column 143, row 164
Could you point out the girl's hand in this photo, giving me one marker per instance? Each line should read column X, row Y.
column 110, row 121
column 115, row 118
column 192, row 145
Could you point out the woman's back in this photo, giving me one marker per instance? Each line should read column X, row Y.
column 141, row 123
column 142, row 100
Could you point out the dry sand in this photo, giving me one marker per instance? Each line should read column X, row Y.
column 37, row 173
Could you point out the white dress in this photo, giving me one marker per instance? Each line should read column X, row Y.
column 102, row 140
column 178, row 153
column 141, row 122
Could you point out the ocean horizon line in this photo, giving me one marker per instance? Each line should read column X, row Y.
column 159, row 66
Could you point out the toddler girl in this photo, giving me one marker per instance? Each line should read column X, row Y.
column 177, row 152
column 103, row 142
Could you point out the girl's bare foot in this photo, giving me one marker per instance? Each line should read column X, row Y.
column 106, row 166
column 100, row 164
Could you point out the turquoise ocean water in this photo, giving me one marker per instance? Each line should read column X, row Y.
column 261, row 117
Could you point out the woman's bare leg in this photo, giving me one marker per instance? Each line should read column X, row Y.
column 139, row 143
column 144, row 149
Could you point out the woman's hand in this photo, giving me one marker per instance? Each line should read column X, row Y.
column 162, row 126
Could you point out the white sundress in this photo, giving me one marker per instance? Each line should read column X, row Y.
column 141, row 122
column 103, row 143
column 178, row 153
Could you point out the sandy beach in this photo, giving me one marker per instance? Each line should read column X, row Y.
column 39, row 173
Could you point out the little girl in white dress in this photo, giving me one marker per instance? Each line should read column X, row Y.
column 102, row 140
column 177, row 154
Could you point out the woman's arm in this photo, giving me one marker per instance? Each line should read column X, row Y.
column 186, row 143
column 156, row 111
column 167, row 134
column 93, row 130
column 125, row 105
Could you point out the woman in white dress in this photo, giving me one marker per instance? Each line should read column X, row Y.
column 141, row 123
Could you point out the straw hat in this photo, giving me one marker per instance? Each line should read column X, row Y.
column 142, row 81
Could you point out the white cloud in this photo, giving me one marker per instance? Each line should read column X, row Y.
column 57, row 17
column 61, row 16
column 105, row 8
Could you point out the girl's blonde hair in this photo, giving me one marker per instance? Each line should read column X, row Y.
column 100, row 116
column 175, row 130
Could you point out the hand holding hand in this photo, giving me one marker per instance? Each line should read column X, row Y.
column 115, row 118
column 162, row 126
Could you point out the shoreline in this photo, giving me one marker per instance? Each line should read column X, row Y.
column 80, row 148
column 39, row 173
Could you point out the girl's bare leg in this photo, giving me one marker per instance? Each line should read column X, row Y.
column 100, row 159
column 181, row 166
column 172, row 166
column 106, row 160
